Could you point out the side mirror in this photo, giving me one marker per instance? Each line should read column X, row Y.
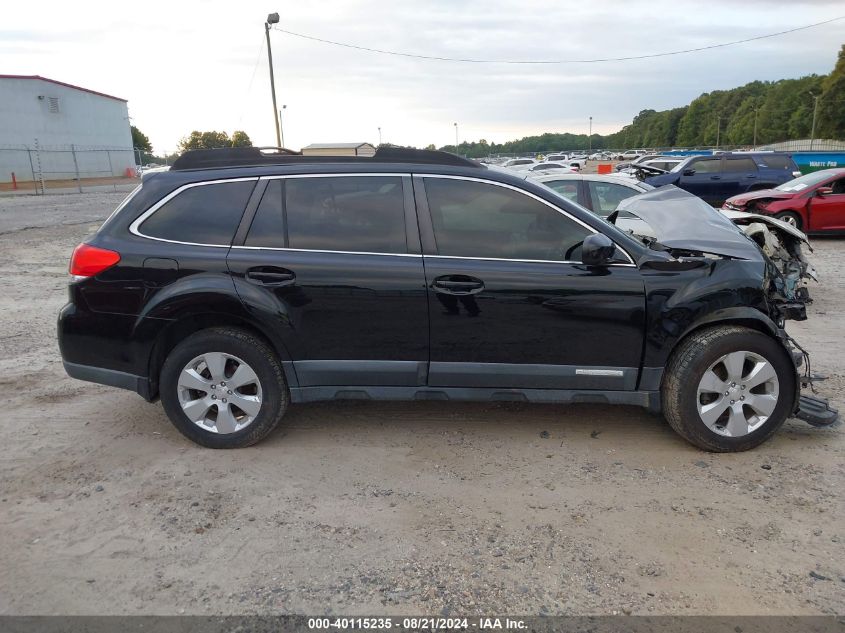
column 597, row 250
column 689, row 172
column 824, row 191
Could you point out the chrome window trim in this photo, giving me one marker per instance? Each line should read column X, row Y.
column 336, row 175
column 535, row 197
column 526, row 261
column 320, row 250
column 134, row 228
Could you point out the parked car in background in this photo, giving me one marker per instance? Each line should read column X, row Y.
column 714, row 179
column 638, row 161
column 549, row 166
column 599, row 193
column 814, row 202
column 519, row 163
column 631, row 154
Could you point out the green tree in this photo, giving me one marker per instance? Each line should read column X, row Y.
column 140, row 140
column 831, row 113
column 214, row 140
column 240, row 139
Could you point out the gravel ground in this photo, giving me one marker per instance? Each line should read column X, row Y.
column 423, row 507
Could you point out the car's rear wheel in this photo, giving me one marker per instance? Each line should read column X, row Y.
column 223, row 388
column 791, row 218
column 728, row 388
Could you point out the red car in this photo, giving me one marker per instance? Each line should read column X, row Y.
column 814, row 202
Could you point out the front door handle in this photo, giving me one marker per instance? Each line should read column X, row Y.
column 271, row 276
column 715, row 177
column 457, row 285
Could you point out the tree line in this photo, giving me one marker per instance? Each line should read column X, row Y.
column 759, row 112
column 782, row 110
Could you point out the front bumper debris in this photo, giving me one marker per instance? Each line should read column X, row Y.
column 816, row 411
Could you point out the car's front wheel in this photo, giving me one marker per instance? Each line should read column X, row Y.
column 223, row 388
column 791, row 218
column 728, row 388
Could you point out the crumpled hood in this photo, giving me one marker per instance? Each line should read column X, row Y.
column 744, row 198
column 683, row 221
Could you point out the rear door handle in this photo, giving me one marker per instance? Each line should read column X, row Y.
column 458, row 285
column 271, row 276
column 715, row 177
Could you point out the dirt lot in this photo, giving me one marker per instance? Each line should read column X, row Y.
column 393, row 508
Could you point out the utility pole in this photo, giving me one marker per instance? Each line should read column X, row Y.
column 590, row 137
column 756, row 108
column 815, row 112
column 273, row 18
column 456, row 137
column 379, row 135
column 282, row 126
column 718, row 129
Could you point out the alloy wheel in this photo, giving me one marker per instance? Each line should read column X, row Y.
column 737, row 394
column 219, row 392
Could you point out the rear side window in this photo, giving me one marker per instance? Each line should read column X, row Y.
column 204, row 214
column 777, row 162
column 740, row 164
column 473, row 219
column 567, row 188
column 346, row 213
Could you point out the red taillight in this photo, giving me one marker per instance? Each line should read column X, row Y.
column 88, row 260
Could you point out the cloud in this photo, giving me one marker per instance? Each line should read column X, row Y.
column 202, row 65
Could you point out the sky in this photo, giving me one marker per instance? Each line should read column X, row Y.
column 202, row 64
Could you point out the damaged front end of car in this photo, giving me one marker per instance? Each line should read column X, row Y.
column 683, row 232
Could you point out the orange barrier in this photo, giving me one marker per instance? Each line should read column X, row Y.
column 605, row 168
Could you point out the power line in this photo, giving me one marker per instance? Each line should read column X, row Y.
column 553, row 61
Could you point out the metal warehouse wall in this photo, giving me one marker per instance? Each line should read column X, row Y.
column 78, row 120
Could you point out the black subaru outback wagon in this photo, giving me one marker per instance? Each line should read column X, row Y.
column 242, row 281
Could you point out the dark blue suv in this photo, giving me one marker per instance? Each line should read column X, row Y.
column 717, row 178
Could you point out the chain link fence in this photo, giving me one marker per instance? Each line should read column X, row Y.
column 38, row 169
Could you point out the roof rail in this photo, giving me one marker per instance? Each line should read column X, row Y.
column 253, row 156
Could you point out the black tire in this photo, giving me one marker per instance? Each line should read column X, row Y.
column 790, row 217
column 253, row 351
column 692, row 359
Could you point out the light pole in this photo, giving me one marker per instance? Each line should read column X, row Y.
column 590, row 137
column 456, row 136
column 756, row 108
column 815, row 111
column 273, row 18
column 379, row 135
column 282, row 126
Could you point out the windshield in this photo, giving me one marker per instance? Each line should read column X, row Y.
column 802, row 182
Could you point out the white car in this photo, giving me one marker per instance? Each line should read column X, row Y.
column 519, row 164
column 553, row 166
column 597, row 192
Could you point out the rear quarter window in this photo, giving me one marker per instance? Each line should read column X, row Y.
column 202, row 214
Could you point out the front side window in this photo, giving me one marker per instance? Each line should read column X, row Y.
column 204, row 214
column 473, row 219
column 346, row 213
column 268, row 225
column 606, row 196
column 706, row 165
